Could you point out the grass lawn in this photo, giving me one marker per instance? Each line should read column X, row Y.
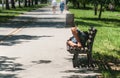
column 7, row 14
column 106, row 46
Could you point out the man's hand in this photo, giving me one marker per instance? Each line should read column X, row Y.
column 79, row 45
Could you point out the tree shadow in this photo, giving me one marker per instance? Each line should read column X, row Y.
column 82, row 8
column 17, row 39
column 41, row 14
column 84, row 71
column 42, row 62
column 4, row 18
column 18, row 11
column 8, row 64
column 8, row 76
column 33, row 19
column 81, row 23
column 11, row 12
column 102, row 19
column 108, row 63
column 105, row 20
column 100, row 63
column 117, row 51
column 12, row 24
column 34, row 22
column 30, row 21
column 48, row 24
column 79, row 76
column 42, row 10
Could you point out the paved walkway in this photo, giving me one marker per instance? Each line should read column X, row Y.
column 38, row 49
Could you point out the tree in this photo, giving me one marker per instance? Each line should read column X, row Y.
column 78, row 3
column 36, row 2
column 29, row 3
column 7, row 4
column 32, row 2
column 83, row 2
column 95, row 4
column 13, row 3
column 25, row 3
column 73, row 2
column 19, row 3
column 2, row 1
column 101, row 3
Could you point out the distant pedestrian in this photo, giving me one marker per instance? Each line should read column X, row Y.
column 54, row 5
column 111, row 6
column 62, row 6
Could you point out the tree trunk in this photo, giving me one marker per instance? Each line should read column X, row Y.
column 84, row 5
column 43, row 1
column 36, row 2
column 32, row 3
column 95, row 8
column 100, row 11
column 29, row 3
column 7, row 4
column 74, row 3
column 25, row 3
column 19, row 3
column 3, row 4
column 13, row 3
column 78, row 5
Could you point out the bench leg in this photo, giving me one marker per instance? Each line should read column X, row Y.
column 75, row 60
column 90, row 61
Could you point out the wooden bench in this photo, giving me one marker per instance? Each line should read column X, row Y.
column 87, row 49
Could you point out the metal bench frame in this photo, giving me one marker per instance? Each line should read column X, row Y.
column 84, row 50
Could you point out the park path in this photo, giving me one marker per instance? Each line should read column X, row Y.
column 36, row 47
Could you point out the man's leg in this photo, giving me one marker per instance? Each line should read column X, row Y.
column 75, row 34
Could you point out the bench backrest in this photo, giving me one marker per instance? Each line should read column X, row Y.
column 91, row 33
column 91, row 36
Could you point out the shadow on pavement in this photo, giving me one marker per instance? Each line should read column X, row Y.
column 30, row 24
column 8, row 76
column 17, row 39
column 79, row 76
column 42, row 61
column 8, row 67
column 8, row 64
column 35, row 20
column 84, row 71
column 103, row 63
